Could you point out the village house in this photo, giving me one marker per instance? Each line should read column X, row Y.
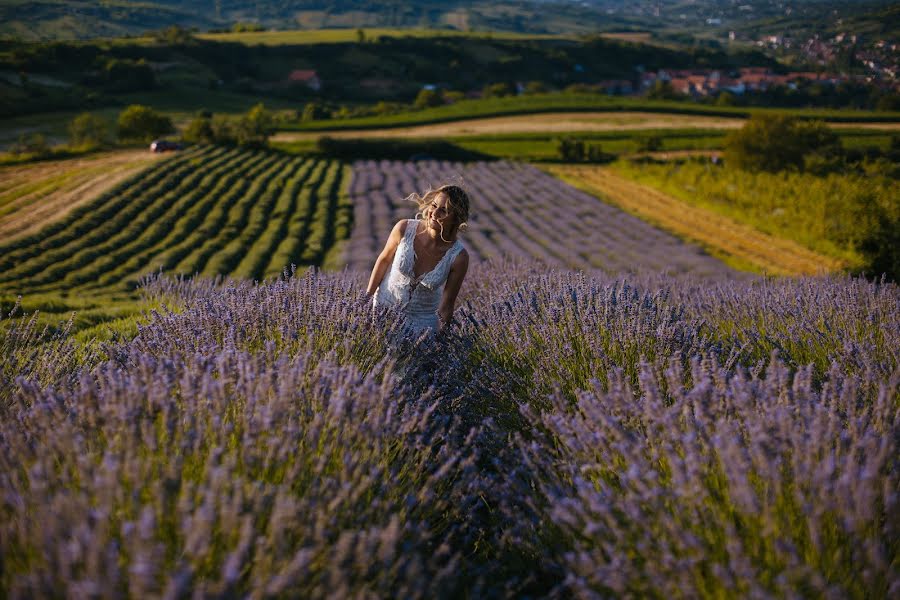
column 306, row 77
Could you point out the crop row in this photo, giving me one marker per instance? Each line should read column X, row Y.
column 517, row 210
column 207, row 211
column 117, row 201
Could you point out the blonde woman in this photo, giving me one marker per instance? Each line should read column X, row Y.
column 423, row 264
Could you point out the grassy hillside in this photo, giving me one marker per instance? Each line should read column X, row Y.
column 538, row 103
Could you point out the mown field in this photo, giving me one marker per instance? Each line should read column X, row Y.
column 35, row 194
column 578, row 103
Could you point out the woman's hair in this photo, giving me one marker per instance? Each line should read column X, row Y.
column 458, row 202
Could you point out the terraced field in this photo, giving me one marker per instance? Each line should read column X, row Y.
column 518, row 210
column 208, row 210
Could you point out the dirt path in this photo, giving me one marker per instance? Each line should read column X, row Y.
column 553, row 122
column 33, row 195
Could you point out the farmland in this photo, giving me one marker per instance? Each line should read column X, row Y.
column 518, row 211
column 207, row 211
column 576, row 432
column 738, row 244
column 581, row 122
column 615, row 411
column 34, row 195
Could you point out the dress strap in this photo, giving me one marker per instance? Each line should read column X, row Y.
column 406, row 249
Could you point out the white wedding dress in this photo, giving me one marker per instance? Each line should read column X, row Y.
column 418, row 297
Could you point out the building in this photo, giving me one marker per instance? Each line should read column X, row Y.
column 306, row 77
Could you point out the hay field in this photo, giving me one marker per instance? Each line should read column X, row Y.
column 36, row 194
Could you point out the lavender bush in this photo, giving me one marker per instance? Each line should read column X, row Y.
column 572, row 434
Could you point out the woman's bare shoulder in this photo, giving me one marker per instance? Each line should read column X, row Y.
column 461, row 259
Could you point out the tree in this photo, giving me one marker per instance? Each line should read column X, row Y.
column 774, row 143
column 199, row 131
column 142, row 123
column 497, row 90
column 254, row 127
column 535, row 87
column 88, row 131
column 427, row 98
column 32, row 143
column 575, row 150
column 663, row 90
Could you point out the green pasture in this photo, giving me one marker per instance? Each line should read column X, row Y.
column 541, row 147
column 540, row 103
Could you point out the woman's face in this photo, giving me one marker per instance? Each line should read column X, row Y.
column 439, row 215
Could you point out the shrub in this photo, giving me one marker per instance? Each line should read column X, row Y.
column 88, row 130
column 199, row 131
column 775, row 143
column 254, row 127
column 142, row 123
column 31, row 143
column 576, row 150
column 650, row 143
column 427, row 98
column 497, row 90
column 314, row 111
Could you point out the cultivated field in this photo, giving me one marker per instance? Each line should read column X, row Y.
column 37, row 194
column 208, row 211
column 545, row 122
column 737, row 243
column 517, row 211
column 576, row 434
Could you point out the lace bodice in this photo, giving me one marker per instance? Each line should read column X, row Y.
column 418, row 296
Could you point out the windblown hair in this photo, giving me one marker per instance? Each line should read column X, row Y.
column 458, row 204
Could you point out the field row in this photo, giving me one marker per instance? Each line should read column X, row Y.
column 208, row 211
column 517, row 210
column 719, row 234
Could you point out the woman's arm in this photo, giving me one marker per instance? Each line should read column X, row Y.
column 451, row 289
column 383, row 262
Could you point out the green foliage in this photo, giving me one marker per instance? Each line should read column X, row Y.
column 776, row 142
column 576, row 150
column 142, row 123
column 663, row 90
column 726, row 99
column 175, row 35
column 314, row 111
column 427, row 98
column 850, row 216
column 247, row 27
column 254, row 128
column 394, row 149
column 497, row 90
column 88, row 130
column 451, row 96
column 32, row 144
column 199, row 131
column 649, row 143
column 536, row 87
column 125, row 75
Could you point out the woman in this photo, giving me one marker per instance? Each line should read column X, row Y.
column 423, row 263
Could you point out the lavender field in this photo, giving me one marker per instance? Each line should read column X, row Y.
column 574, row 435
column 518, row 211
